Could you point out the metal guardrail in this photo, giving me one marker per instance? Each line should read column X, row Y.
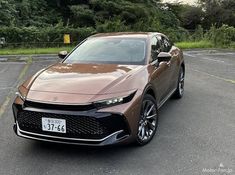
column 36, row 44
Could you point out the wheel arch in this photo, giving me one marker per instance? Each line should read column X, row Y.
column 150, row 91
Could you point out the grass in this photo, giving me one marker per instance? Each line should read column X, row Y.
column 194, row 44
column 31, row 51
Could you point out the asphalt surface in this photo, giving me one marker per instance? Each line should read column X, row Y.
column 196, row 134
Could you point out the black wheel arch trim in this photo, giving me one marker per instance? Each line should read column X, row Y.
column 148, row 88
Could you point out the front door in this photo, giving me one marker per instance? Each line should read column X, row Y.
column 160, row 74
column 173, row 63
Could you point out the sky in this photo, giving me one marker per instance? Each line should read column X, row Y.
column 191, row 2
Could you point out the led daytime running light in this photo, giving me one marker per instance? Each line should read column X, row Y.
column 115, row 100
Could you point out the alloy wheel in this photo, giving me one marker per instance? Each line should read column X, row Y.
column 148, row 121
column 181, row 82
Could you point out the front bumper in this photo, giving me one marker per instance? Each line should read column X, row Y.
column 84, row 127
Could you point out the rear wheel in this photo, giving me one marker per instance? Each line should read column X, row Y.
column 148, row 122
column 180, row 86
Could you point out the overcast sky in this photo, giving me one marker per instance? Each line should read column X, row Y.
column 192, row 2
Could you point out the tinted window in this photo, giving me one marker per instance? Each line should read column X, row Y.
column 166, row 45
column 155, row 48
column 110, row 50
column 160, row 41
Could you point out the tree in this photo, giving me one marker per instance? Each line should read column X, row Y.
column 35, row 13
column 228, row 16
column 191, row 17
column 82, row 16
column 7, row 12
column 218, row 12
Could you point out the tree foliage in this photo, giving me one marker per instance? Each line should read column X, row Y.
column 36, row 17
column 206, row 14
column 83, row 13
column 218, row 12
column 7, row 12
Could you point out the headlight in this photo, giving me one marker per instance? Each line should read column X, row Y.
column 22, row 91
column 114, row 101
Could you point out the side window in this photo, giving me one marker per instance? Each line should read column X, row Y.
column 155, row 48
column 166, row 45
column 161, row 45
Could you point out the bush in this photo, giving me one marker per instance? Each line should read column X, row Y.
column 221, row 37
column 198, row 35
column 217, row 37
column 177, row 35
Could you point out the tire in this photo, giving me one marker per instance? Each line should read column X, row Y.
column 179, row 92
column 148, row 122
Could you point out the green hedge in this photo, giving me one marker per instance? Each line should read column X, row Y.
column 53, row 36
column 42, row 36
column 219, row 37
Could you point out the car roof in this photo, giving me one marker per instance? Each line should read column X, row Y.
column 126, row 34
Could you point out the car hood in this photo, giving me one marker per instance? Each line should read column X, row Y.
column 86, row 79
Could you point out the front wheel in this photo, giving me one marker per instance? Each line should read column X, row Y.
column 148, row 122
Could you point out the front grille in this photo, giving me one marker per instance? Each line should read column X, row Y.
column 84, row 127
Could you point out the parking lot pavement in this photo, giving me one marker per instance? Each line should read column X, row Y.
column 8, row 77
column 195, row 134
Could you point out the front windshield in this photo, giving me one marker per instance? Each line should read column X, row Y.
column 109, row 50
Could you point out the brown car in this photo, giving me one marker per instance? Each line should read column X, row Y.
column 106, row 91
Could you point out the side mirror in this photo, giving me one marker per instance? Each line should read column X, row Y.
column 62, row 54
column 164, row 56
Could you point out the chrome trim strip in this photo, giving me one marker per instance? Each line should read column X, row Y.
column 66, row 138
column 58, row 103
column 53, row 141
column 167, row 97
column 77, row 104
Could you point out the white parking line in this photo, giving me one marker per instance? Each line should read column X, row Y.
column 219, row 53
column 215, row 76
column 210, row 52
column 3, row 107
column 190, row 55
column 202, row 51
column 205, row 58
column 220, row 61
column 22, row 73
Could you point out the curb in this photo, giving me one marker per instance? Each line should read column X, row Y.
column 6, row 58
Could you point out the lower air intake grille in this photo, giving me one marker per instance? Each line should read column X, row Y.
column 83, row 127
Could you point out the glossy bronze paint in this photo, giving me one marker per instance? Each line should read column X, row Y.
column 84, row 83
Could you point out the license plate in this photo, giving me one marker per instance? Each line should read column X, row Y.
column 54, row 125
